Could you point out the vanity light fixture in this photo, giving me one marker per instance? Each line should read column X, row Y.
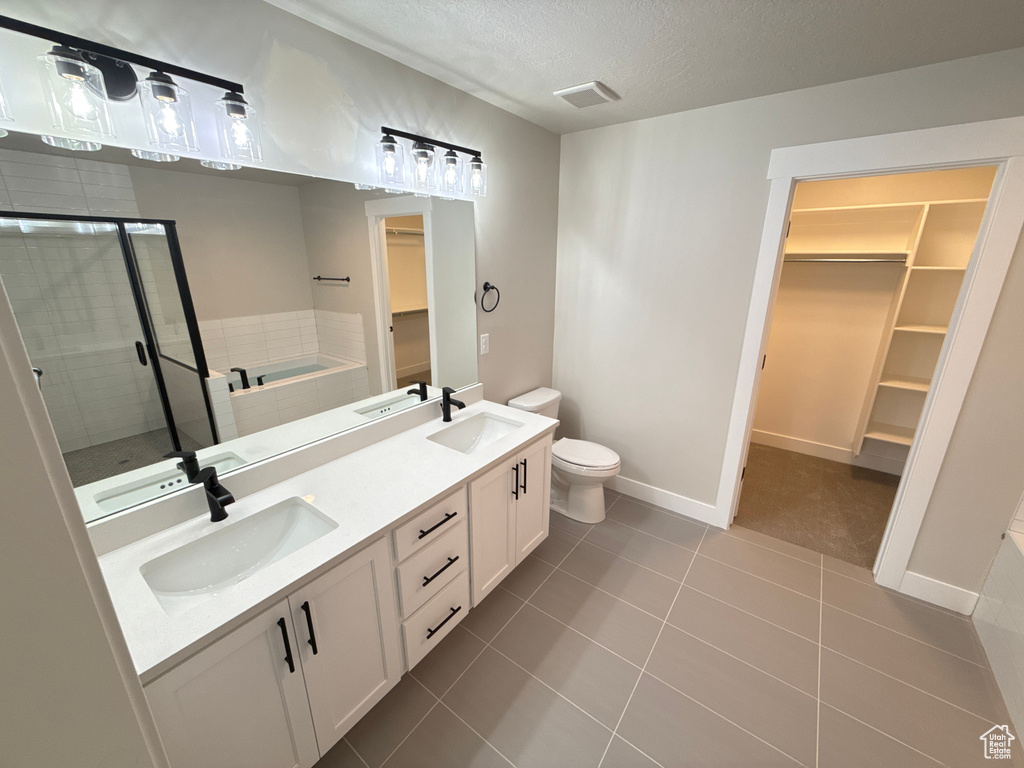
column 217, row 165
column 80, row 77
column 431, row 171
column 5, row 116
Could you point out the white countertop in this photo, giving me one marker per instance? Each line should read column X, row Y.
column 365, row 492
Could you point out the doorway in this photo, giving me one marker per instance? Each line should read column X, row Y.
column 406, row 259
column 871, row 277
column 106, row 316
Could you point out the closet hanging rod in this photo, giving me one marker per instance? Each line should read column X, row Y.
column 403, row 231
column 833, row 260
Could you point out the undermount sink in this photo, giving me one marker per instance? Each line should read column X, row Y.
column 202, row 568
column 474, row 433
column 148, row 488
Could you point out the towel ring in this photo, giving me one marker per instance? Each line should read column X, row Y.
column 488, row 288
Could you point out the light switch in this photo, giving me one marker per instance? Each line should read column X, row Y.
column 485, row 343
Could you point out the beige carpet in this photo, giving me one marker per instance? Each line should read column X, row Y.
column 823, row 505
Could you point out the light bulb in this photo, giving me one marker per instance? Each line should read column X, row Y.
column 389, row 163
column 240, row 135
column 169, row 122
column 79, row 103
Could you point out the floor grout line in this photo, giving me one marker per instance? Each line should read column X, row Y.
column 411, row 730
column 355, row 751
column 599, row 589
column 909, row 598
column 650, row 653
column 728, row 532
column 762, row 578
column 474, row 730
column 748, row 613
column 887, row 735
column 821, row 616
column 909, row 637
column 641, row 565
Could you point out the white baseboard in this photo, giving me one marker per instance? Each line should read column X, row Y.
column 890, row 465
column 696, row 510
column 939, row 593
column 408, row 370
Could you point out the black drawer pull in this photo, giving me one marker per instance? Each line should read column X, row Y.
column 524, row 475
column 515, row 482
column 428, row 579
column 287, row 645
column 309, row 623
column 435, row 630
column 434, row 527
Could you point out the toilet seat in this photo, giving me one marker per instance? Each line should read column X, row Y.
column 583, row 456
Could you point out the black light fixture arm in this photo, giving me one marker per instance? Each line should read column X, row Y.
column 428, row 140
column 81, row 44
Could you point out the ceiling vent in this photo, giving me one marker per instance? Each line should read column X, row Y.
column 588, row 94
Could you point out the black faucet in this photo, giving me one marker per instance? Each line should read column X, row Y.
column 245, row 376
column 447, row 403
column 217, row 496
column 189, row 464
column 421, row 390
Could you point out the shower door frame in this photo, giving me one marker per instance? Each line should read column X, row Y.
column 142, row 307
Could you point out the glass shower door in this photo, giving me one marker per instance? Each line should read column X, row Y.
column 168, row 305
column 77, row 313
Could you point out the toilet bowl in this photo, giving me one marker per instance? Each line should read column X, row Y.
column 579, row 468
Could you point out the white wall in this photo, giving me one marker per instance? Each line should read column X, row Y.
column 322, row 101
column 659, row 227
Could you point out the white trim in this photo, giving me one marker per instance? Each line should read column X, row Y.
column 696, row 510
column 414, row 368
column 889, row 464
column 996, row 142
column 939, row 593
column 377, row 211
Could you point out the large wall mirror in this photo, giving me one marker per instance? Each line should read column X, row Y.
column 173, row 309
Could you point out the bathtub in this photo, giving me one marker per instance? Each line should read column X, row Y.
column 292, row 388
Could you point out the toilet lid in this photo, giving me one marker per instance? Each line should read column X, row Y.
column 584, row 454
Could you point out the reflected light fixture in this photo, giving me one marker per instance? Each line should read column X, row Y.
column 218, row 165
column 430, row 172
column 238, row 130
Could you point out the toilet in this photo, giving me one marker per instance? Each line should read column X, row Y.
column 579, row 468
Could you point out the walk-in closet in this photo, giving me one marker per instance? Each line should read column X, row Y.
column 871, row 276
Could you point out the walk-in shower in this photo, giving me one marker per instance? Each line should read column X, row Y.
column 106, row 315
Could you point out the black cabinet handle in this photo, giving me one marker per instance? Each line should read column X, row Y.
column 435, row 630
column 434, row 527
column 287, row 645
column 309, row 623
column 515, row 482
column 140, row 350
column 524, row 476
column 428, row 579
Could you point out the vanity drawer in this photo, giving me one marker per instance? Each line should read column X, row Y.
column 432, row 623
column 430, row 524
column 436, row 564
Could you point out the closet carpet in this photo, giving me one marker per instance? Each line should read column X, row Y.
column 825, row 506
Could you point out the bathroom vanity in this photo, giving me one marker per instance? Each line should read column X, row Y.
column 261, row 640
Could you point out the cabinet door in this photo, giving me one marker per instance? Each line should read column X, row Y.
column 534, row 503
column 492, row 536
column 351, row 610
column 236, row 704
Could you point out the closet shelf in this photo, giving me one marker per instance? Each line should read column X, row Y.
column 890, row 433
column 912, row 383
column 926, row 268
column 936, row 329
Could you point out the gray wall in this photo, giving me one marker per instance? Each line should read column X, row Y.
column 660, row 222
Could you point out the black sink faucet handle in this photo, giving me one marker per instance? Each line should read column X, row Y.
column 189, row 464
column 421, row 390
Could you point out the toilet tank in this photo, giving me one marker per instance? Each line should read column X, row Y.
column 543, row 400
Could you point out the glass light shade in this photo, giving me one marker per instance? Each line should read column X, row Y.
column 156, row 157
column 476, row 177
column 239, row 130
column 75, row 93
column 424, row 169
column 450, row 174
column 219, row 166
column 5, row 115
column 390, row 163
column 75, row 144
column 167, row 113
column 363, row 187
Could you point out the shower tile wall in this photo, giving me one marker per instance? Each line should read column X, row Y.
column 72, row 299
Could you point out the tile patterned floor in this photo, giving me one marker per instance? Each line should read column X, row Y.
column 652, row 640
column 98, row 462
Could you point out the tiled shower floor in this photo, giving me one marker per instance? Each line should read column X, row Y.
column 651, row 640
column 98, row 462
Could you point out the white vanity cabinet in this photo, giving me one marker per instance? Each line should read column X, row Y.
column 509, row 509
column 313, row 664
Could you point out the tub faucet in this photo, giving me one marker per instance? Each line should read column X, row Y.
column 217, row 496
column 189, row 464
column 447, row 403
column 245, row 376
column 421, row 390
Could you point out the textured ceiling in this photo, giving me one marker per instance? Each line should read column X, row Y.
column 661, row 56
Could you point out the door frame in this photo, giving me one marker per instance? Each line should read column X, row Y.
column 377, row 211
column 995, row 142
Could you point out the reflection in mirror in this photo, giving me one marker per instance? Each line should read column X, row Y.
column 176, row 310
